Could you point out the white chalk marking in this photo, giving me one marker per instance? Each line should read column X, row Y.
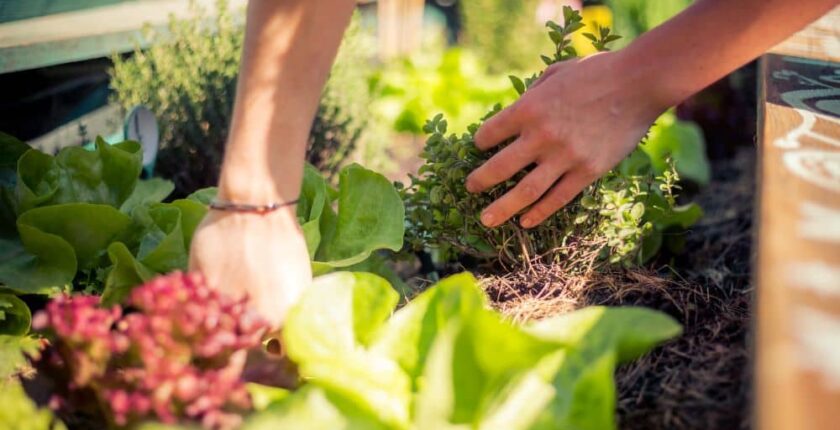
column 817, row 337
column 819, row 223
column 815, row 276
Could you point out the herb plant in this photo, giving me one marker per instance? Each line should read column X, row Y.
column 187, row 77
column 619, row 219
column 444, row 360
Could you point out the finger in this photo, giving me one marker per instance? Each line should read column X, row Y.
column 548, row 72
column 560, row 195
column 501, row 166
column 525, row 193
column 500, row 126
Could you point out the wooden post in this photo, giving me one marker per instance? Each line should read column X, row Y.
column 400, row 26
column 798, row 270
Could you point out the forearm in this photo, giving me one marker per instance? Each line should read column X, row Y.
column 289, row 48
column 710, row 39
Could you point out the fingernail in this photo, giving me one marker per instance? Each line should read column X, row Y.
column 527, row 222
column 488, row 219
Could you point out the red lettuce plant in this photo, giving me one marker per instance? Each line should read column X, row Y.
column 174, row 353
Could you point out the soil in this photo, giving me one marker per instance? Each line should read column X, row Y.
column 702, row 379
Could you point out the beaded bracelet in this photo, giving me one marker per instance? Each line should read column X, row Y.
column 249, row 208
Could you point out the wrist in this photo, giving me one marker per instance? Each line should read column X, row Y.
column 647, row 80
column 258, row 185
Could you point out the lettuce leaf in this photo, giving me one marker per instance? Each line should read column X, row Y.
column 447, row 361
column 15, row 317
column 20, row 411
column 105, row 176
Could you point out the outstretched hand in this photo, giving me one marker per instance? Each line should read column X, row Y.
column 579, row 120
column 261, row 256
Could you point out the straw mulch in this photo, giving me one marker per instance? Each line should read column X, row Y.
column 702, row 379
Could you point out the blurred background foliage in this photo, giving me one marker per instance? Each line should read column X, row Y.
column 188, row 79
column 374, row 107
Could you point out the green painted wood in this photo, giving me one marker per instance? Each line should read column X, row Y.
column 86, row 34
column 14, row 10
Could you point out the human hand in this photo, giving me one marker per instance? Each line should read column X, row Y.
column 579, row 120
column 261, row 256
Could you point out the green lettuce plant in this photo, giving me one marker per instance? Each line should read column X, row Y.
column 446, row 360
column 620, row 219
column 83, row 221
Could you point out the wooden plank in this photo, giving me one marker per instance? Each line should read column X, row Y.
column 86, row 34
column 818, row 41
column 17, row 10
column 104, row 121
column 400, row 26
column 798, row 266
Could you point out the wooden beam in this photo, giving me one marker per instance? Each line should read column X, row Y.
column 400, row 26
column 798, row 266
column 85, row 34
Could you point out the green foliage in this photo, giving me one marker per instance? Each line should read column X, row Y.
column 83, row 221
column 408, row 91
column 187, row 77
column 14, row 350
column 15, row 317
column 504, row 33
column 634, row 17
column 681, row 141
column 618, row 219
column 369, row 216
column 445, row 360
column 19, row 411
column 345, row 226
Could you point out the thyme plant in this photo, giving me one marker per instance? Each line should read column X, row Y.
column 619, row 219
column 187, row 77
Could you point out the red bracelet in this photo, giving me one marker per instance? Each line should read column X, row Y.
column 249, row 208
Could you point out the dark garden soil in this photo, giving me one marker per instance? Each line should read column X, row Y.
column 702, row 379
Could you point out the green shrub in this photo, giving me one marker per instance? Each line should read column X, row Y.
column 618, row 219
column 188, row 79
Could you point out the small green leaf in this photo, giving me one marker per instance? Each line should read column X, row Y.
column 518, row 85
column 13, row 353
column 204, row 196
column 15, row 317
column 125, row 274
column 153, row 190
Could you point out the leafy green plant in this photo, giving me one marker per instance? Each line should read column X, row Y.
column 83, row 221
column 683, row 142
column 187, row 77
column 446, row 360
column 408, row 91
column 618, row 219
